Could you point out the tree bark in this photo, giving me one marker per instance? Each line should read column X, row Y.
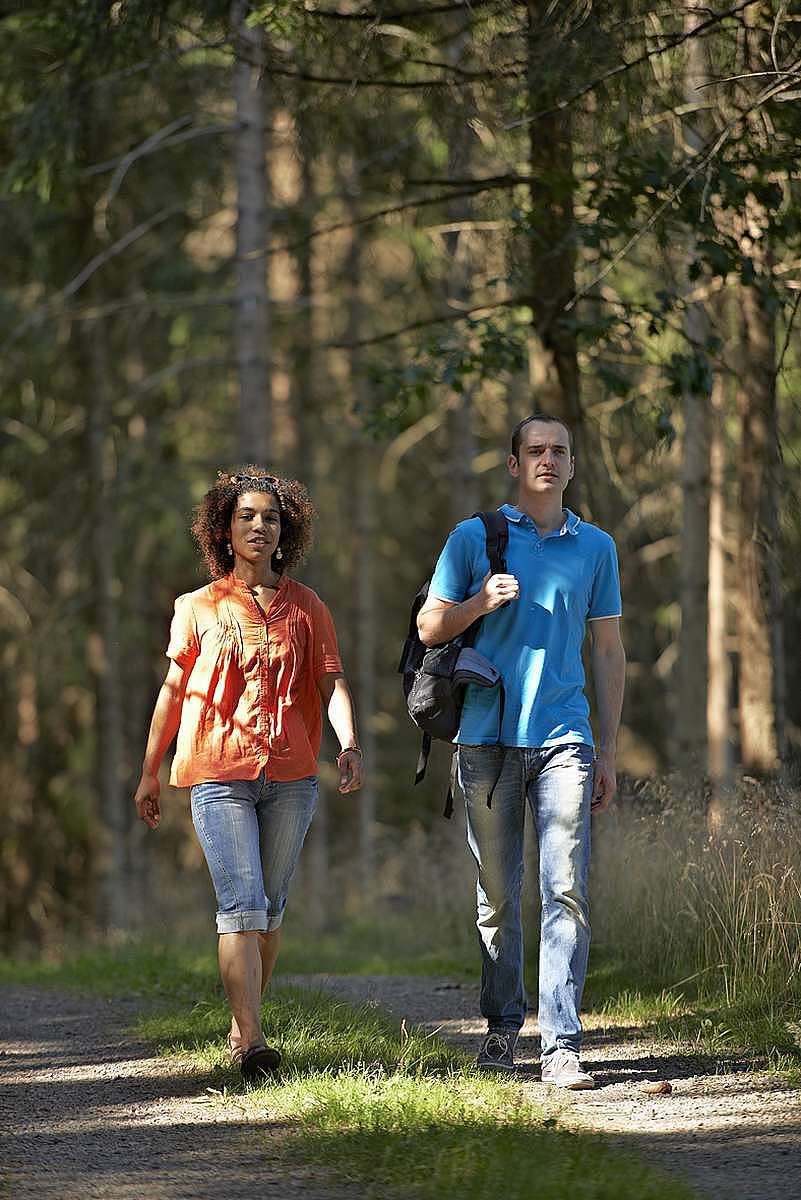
column 759, row 606
column 458, row 289
column 553, row 359
column 315, row 870
column 363, row 548
column 691, row 691
column 718, row 721
column 104, row 643
column 252, row 306
column 761, row 699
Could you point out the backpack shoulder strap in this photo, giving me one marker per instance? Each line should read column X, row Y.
column 496, row 530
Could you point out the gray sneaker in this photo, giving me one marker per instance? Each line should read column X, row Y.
column 497, row 1051
column 563, row 1069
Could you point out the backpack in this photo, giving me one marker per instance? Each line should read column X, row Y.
column 435, row 678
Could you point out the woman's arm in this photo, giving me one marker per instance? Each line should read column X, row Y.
column 163, row 728
column 339, row 704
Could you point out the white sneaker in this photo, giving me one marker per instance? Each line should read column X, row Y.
column 563, row 1069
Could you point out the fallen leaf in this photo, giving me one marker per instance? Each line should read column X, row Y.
column 661, row 1087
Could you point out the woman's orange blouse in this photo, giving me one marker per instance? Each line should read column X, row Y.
column 251, row 700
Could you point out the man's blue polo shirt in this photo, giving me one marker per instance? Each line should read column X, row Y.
column 566, row 579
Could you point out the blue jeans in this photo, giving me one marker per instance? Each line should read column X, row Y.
column 556, row 781
column 251, row 832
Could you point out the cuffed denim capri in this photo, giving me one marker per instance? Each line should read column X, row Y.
column 251, row 832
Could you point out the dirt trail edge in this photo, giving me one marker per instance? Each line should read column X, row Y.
column 733, row 1133
column 89, row 1113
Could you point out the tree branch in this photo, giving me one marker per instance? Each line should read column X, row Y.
column 89, row 270
column 146, row 148
column 481, row 186
column 701, row 162
column 788, row 335
column 488, row 181
column 333, row 15
column 153, row 381
column 441, row 319
column 356, row 81
column 678, row 40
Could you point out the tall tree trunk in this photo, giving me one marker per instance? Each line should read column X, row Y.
column 306, row 383
column 758, row 595
column 691, row 742
column 759, row 607
column 553, row 356
column 252, row 307
column 461, row 441
column 363, row 547
column 718, row 723
column 104, row 642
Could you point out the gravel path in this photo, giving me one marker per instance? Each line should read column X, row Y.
column 88, row 1113
column 733, row 1133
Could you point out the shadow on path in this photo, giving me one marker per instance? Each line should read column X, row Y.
column 88, row 1113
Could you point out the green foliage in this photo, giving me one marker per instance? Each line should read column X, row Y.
column 120, row 383
column 450, row 361
column 282, row 18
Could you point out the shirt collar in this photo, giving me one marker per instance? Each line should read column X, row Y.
column 240, row 584
column 571, row 524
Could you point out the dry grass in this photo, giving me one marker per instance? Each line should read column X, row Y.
column 717, row 914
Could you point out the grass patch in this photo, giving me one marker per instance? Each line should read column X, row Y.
column 394, row 1111
column 183, row 982
column 159, row 973
column 402, row 1114
column 457, row 1135
column 316, row 1033
column 389, row 945
column 697, row 1016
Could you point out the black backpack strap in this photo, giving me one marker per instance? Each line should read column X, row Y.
column 496, row 530
column 422, row 760
column 413, row 649
column 453, row 783
column 496, row 533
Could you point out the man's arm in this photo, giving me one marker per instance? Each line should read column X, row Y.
column 440, row 620
column 609, row 674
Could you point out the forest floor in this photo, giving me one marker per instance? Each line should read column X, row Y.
column 89, row 1111
column 733, row 1133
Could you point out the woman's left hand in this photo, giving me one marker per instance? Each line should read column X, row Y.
column 350, row 770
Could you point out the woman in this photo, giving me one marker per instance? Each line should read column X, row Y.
column 251, row 655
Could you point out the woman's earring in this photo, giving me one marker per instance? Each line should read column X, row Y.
column 279, row 554
column 229, row 548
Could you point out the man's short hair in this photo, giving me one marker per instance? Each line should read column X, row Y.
column 545, row 417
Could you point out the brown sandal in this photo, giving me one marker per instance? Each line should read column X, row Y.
column 258, row 1062
column 235, row 1049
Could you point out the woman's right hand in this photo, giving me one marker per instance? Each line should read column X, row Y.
column 146, row 800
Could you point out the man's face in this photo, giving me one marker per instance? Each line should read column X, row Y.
column 255, row 526
column 545, row 464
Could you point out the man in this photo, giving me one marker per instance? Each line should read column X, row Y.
column 537, row 745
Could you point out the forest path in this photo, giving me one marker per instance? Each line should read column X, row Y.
column 731, row 1132
column 87, row 1112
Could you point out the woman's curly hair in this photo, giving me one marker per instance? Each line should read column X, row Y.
column 212, row 524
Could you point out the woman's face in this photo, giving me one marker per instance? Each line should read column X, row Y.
column 255, row 527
